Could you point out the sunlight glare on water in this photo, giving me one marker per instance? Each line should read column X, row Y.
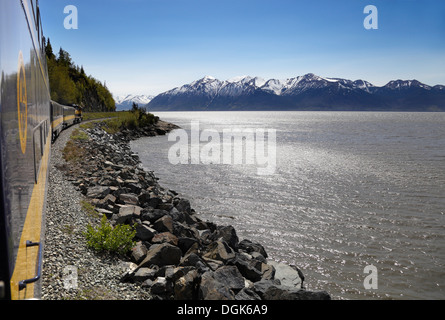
column 350, row 189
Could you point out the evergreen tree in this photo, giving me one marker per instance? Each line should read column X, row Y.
column 49, row 50
column 69, row 83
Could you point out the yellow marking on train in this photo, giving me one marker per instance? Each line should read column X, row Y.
column 69, row 117
column 22, row 103
column 57, row 122
column 27, row 258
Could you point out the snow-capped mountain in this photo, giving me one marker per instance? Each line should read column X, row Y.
column 307, row 92
column 125, row 102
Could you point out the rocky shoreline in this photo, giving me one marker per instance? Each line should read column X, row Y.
column 177, row 255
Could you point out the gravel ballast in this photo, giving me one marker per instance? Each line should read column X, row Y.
column 65, row 251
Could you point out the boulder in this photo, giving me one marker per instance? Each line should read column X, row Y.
column 161, row 287
column 142, row 274
column 98, row 192
column 230, row 277
column 270, row 290
column 268, row 272
column 228, row 234
column 249, row 247
column 108, row 213
column 219, row 250
column 183, row 230
column 288, row 275
column 165, row 237
column 109, row 200
column 153, row 214
column 185, row 243
column 129, row 269
column 248, row 268
column 174, row 273
column 164, row 224
column 133, row 186
column 144, row 232
column 125, row 214
column 138, row 252
column 161, row 255
column 247, row 294
column 186, row 287
column 129, row 198
column 183, row 205
column 212, row 289
column 153, row 201
column 193, row 260
column 144, row 197
column 175, row 214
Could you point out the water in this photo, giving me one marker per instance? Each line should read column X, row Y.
column 351, row 189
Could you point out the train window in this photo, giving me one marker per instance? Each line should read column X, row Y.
column 39, row 141
column 45, row 132
column 34, row 9
column 38, row 26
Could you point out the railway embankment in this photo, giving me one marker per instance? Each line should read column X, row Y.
column 176, row 255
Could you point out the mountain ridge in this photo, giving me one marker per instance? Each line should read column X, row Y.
column 125, row 102
column 307, row 92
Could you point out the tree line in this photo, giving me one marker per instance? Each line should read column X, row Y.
column 69, row 84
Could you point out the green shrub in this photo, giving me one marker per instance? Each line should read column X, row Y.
column 134, row 119
column 118, row 239
column 79, row 135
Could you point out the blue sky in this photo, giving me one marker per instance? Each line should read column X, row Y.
column 151, row 46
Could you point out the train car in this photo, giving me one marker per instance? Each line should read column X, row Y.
column 25, row 140
column 78, row 113
column 56, row 119
column 69, row 116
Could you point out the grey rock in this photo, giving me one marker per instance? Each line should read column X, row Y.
column 139, row 252
column 109, row 200
column 268, row 272
column 186, row 287
column 143, row 274
column 108, row 213
column 165, row 237
column 161, row 255
column 249, row 247
column 161, row 287
column 164, row 224
column 175, row 214
column 247, row 294
column 212, row 289
column 144, row 232
column 219, row 250
column 192, row 259
column 230, row 277
column 269, row 290
column 228, row 234
column 287, row 274
column 248, row 268
column 184, row 206
column 98, row 192
column 125, row 214
column 153, row 214
column 129, row 198
column 185, row 243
